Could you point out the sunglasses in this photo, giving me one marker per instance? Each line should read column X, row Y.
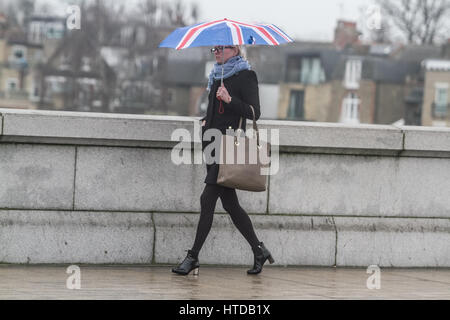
column 220, row 49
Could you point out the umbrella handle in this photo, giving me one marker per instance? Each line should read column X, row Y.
column 221, row 80
column 221, row 109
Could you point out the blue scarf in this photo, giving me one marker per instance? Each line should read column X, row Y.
column 233, row 65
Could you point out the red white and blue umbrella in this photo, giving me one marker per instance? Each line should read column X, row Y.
column 225, row 32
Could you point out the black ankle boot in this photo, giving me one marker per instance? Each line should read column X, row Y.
column 261, row 255
column 189, row 263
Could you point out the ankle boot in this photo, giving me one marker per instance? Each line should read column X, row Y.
column 189, row 263
column 261, row 254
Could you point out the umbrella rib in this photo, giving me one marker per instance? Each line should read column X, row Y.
column 261, row 32
column 236, row 34
column 279, row 31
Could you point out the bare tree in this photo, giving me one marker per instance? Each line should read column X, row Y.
column 149, row 9
column 177, row 14
column 421, row 21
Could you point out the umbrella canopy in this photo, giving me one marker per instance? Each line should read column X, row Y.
column 225, row 32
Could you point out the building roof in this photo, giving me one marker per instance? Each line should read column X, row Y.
column 417, row 53
column 391, row 71
column 436, row 65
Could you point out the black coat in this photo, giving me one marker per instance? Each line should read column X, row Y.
column 243, row 89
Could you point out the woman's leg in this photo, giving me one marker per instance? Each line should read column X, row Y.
column 239, row 217
column 208, row 200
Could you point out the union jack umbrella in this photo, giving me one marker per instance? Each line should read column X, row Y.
column 225, row 32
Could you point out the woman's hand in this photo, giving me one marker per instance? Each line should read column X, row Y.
column 203, row 123
column 223, row 94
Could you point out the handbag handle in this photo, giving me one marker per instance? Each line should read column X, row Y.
column 255, row 127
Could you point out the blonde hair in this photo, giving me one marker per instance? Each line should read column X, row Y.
column 240, row 52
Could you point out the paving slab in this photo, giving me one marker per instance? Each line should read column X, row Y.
column 220, row 283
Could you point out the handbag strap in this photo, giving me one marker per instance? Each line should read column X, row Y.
column 255, row 126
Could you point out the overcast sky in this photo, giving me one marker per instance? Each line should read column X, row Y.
column 301, row 19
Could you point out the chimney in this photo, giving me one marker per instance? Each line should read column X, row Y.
column 345, row 34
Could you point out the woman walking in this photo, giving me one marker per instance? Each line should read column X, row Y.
column 227, row 104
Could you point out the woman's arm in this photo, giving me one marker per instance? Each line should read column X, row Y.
column 250, row 94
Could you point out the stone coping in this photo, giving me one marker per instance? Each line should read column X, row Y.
column 130, row 130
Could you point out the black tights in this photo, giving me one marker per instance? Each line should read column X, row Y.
column 230, row 203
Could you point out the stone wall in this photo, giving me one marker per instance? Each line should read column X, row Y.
column 100, row 188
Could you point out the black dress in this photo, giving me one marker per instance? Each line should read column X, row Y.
column 243, row 89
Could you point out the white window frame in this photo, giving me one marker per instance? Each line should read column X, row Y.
column 441, row 86
column 350, row 108
column 307, row 66
column 35, row 32
column 353, row 68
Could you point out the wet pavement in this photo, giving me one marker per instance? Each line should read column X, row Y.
column 227, row 283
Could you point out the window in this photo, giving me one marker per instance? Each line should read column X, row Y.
column 312, row 72
column 126, row 35
column 307, row 70
column 296, row 105
column 440, row 106
column 55, row 84
column 54, row 30
column 34, row 35
column 350, row 109
column 12, row 84
column 18, row 54
column 353, row 69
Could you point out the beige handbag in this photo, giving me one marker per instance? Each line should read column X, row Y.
column 241, row 169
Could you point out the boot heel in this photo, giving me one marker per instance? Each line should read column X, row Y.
column 195, row 272
column 271, row 260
